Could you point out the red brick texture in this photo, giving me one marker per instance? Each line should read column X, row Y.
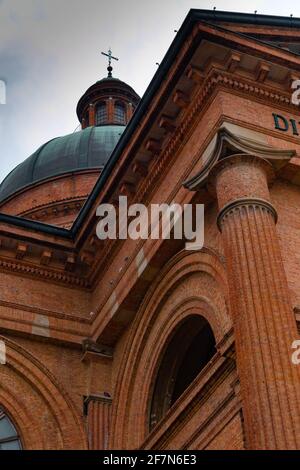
column 86, row 322
column 262, row 313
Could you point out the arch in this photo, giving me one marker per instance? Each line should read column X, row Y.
column 9, row 437
column 119, row 113
column 101, row 113
column 189, row 349
column 42, row 410
column 192, row 283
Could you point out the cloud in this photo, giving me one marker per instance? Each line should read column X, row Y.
column 50, row 54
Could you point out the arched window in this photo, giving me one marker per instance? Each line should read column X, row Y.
column 188, row 351
column 119, row 115
column 9, row 439
column 101, row 114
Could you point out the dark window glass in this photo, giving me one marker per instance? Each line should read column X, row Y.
column 9, row 439
column 101, row 114
column 119, row 113
column 187, row 353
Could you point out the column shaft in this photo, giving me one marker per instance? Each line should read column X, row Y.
column 263, row 318
column 99, row 416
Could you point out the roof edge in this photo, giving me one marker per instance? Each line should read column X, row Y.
column 192, row 17
column 34, row 225
column 250, row 18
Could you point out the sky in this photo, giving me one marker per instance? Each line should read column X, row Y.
column 50, row 53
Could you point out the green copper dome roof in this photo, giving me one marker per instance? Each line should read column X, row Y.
column 89, row 148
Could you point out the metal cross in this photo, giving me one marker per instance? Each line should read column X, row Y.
column 110, row 57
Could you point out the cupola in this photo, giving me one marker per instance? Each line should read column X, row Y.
column 108, row 102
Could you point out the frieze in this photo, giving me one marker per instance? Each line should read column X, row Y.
column 286, row 124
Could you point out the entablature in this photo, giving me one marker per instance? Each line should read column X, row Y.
column 210, row 60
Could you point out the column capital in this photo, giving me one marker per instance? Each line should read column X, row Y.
column 241, row 179
column 100, row 397
column 241, row 168
column 226, row 145
column 98, row 411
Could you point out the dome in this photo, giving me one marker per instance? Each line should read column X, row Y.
column 103, row 111
column 88, row 148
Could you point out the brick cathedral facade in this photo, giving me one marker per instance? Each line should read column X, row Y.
column 127, row 344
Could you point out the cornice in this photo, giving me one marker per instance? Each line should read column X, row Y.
column 195, row 112
column 216, row 80
column 90, row 259
column 46, row 274
column 69, row 205
column 206, row 83
column 45, row 312
column 99, row 255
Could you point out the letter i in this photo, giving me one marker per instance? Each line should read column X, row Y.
column 294, row 126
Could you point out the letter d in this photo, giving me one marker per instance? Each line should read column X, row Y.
column 280, row 122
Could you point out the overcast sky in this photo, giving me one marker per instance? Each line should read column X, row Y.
column 50, row 53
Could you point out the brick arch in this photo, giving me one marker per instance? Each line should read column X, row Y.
column 20, row 418
column 37, row 404
column 192, row 283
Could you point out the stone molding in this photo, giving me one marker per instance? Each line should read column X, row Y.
column 233, row 146
column 245, row 202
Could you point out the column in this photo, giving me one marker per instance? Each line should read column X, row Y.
column 129, row 112
column 92, row 116
column 110, row 110
column 98, row 409
column 263, row 319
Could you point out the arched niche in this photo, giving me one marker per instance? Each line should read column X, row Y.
column 9, row 435
column 101, row 113
column 42, row 410
column 119, row 113
column 192, row 284
column 190, row 348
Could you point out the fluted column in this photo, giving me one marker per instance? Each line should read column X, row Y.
column 99, row 418
column 263, row 319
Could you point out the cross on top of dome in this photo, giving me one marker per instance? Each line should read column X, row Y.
column 110, row 57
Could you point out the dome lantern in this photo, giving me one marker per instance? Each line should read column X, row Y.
column 108, row 101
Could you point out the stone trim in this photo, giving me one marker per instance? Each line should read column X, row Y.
column 245, row 202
